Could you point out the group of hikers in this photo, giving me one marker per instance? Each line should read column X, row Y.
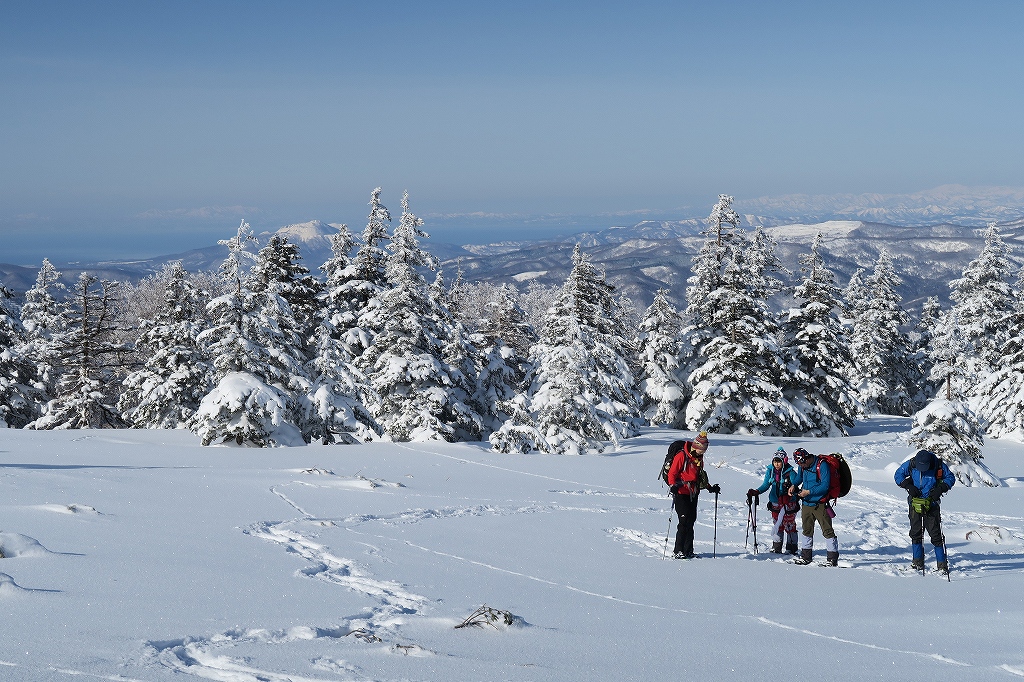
column 807, row 488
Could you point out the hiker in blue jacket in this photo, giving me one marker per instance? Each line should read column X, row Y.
column 925, row 478
column 777, row 480
column 811, row 486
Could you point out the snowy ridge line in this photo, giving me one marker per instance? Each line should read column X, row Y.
column 811, row 633
column 516, row 471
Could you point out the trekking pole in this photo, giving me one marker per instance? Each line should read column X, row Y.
column 714, row 545
column 945, row 552
column 747, row 538
column 757, row 501
column 669, row 530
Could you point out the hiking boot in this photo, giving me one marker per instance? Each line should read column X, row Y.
column 678, row 555
column 917, row 564
column 791, row 548
column 777, row 547
column 806, row 557
column 832, row 559
column 942, row 567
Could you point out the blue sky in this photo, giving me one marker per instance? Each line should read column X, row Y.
column 142, row 128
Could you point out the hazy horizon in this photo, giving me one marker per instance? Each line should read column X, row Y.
column 147, row 128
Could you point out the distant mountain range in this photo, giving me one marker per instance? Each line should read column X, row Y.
column 638, row 259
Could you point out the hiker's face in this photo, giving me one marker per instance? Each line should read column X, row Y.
column 778, row 465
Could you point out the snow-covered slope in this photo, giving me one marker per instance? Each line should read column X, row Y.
column 138, row 555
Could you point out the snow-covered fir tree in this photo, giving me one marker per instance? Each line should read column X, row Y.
column 336, row 412
column 818, row 349
column 503, row 340
column 721, row 235
column 982, row 299
column 737, row 385
column 999, row 396
column 661, row 386
column 278, row 268
column 21, row 395
column 254, row 350
column 43, row 319
column 582, row 390
column 414, row 364
column 165, row 392
column 361, row 284
column 87, row 358
column 884, row 373
column 921, row 339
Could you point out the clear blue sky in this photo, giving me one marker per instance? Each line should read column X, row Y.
column 143, row 128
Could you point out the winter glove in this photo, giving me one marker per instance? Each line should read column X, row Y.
column 942, row 487
column 751, row 493
column 715, row 489
column 674, row 489
column 934, row 494
column 911, row 489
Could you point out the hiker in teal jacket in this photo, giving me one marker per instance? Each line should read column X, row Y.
column 812, row 482
column 777, row 480
column 925, row 478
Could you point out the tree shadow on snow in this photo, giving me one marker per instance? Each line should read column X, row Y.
column 57, row 467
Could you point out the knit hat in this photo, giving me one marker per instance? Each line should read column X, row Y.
column 700, row 443
column 780, row 455
column 924, row 460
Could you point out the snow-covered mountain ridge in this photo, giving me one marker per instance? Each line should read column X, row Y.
column 639, row 259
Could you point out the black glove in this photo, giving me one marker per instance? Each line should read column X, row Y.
column 934, row 494
column 942, row 487
column 674, row 489
column 912, row 489
column 751, row 493
column 715, row 489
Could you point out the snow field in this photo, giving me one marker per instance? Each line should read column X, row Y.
column 138, row 555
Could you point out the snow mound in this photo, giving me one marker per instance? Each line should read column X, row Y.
column 8, row 587
column 18, row 545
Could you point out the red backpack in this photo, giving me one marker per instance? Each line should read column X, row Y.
column 840, row 477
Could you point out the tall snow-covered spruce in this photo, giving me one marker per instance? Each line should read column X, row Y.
column 335, row 409
column 255, row 352
column 983, row 299
column 419, row 364
column 21, row 395
column 999, row 396
column 819, row 350
column 663, row 390
column 166, row 391
column 582, row 390
column 737, row 369
column 884, row 372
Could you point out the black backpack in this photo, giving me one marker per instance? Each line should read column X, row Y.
column 673, row 450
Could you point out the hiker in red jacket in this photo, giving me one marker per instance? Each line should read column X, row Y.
column 686, row 478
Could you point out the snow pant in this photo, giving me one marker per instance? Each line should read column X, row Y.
column 783, row 519
column 686, row 508
column 931, row 521
column 811, row 513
